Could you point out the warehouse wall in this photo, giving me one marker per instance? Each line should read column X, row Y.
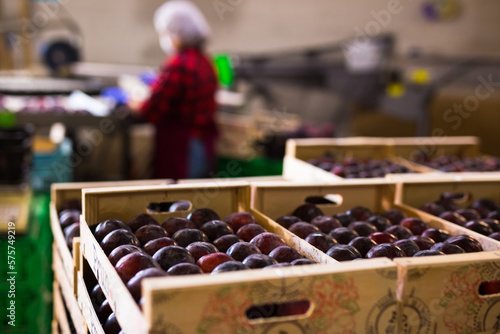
column 121, row 30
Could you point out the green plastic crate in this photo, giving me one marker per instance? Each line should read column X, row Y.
column 33, row 293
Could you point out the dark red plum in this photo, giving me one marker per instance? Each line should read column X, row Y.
column 428, row 252
column 238, row 219
column 325, row 223
column 414, row 224
column 321, row 241
column 268, row 241
column 453, row 217
column 97, row 297
column 303, row 229
column 134, row 284
column 229, row 266
column 287, row 221
column 208, row 262
column 174, row 224
column 383, row 238
column 394, row 215
column 423, row 243
column 380, row 222
column 104, row 228
column 362, row 244
column 360, row 213
column 104, row 312
column 385, row 250
column 203, row 215
column 189, row 235
column 69, row 217
column 151, row 247
column 184, row 269
column 256, row 261
column 447, row 248
column 466, row 242
column 147, row 233
column 436, row 234
column 409, row 247
column 171, row 255
column 362, row 228
column 201, row 248
column 121, row 251
column 307, row 211
column 344, row 218
column 302, row 262
column 131, row 264
column 435, row 209
column 70, row 233
column 223, row 243
column 399, row 231
column 117, row 238
column 343, row 253
column 111, row 325
column 495, row 236
column 179, row 206
column 284, row 254
column 493, row 223
column 240, row 250
column 343, row 235
column 141, row 220
column 215, row 229
column 479, row 227
column 469, row 214
column 249, row 231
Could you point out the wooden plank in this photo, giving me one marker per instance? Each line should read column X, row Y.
column 67, row 292
column 59, row 311
column 89, row 314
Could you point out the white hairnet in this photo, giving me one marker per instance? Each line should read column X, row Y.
column 183, row 20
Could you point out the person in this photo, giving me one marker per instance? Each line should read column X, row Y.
column 182, row 102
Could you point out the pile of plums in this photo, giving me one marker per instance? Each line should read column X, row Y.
column 200, row 243
column 482, row 216
column 453, row 163
column 358, row 168
column 104, row 312
column 360, row 233
column 69, row 219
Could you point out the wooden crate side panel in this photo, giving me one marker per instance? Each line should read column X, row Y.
column 342, row 302
column 276, row 201
column 61, row 246
column 123, row 305
column 442, row 294
column 418, row 193
column 68, row 293
column 99, row 206
column 59, row 311
column 91, row 319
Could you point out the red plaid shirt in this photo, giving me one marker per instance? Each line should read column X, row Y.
column 184, row 93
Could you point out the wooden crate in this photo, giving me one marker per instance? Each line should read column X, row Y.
column 299, row 151
column 217, row 304
column 442, row 289
column 63, row 192
column 66, row 290
column 84, row 286
column 409, row 147
column 275, row 201
column 60, row 322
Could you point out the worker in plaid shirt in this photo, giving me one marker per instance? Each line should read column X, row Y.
column 182, row 102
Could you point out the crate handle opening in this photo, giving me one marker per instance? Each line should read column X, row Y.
column 488, row 288
column 328, row 199
column 271, row 311
column 162, row 207
column 458, row 197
